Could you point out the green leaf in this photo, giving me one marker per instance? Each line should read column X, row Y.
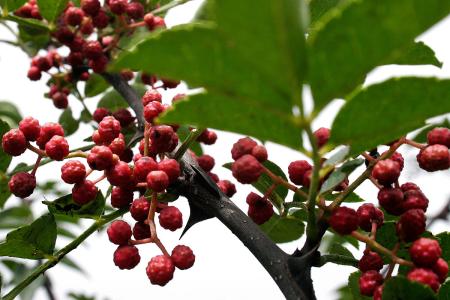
column 233, row 114
column 113, row 101
column 400, row 288
column 360, row 35
column 353, row 283
column 183, row 132
column 444, row 241
column 10, row 113
column 421, row 136
column 264, row 182
column 318, row 8
column 336, row 248
column 4, row 190
column 51, row 9
column 387, row 235
column 337, row 157
column 34, row 241
column 29, row 23
column 95, row 85
column 340, row 174
column 283, row 229
column 32, row 39
column 5, row 159
column 15, row 217
column 12, row 5
column 389, row 110
column 418, row 54
column 66, row 206
column 444, row 291
column 352, row 197
column 68, row 122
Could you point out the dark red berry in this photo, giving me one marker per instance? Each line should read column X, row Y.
column 415, row 199
column 207, row 137
column 143, row 166
column 160, row 270
column 297, row 170
column 109, row 128
column 135, row 10
column 260, row 153
column 425, row 252
column 368, row 214
column 126, row 257
column 213, row 176
column 322, row 136
column 101, row 20
column 73, row 16
column 92, row 49
column 370, row 261
column 120, row 175
column 118, row 7
column 147, row 78
column 182, row 257
column 148, row 19
column 139, row 209
column 60, row 100
column 84, row 192
column 171, row 218
column 344, row 220
column 141, row 231
column 227, row 187
column 163, row 139
column 44, row 63
column 121, row 197
column 440, row 267
column 378, row 294
column 369, row 281
column 30, row 128
column 439, row 135
column 100, row 113
column 87, row 27
column 391, row 199
column 100, row 158
column 124, row 117
column 260, row 210
column 57, row 148
column 409, row 186
column 206, row 162
column 247, row 169
column 48, row 130
column 158, row 181
column 424, row 276
column 22, row 184
column 411, row 225
column 64, row 35
column 171, row 167
column 386, row 171
column 90, row 7
column 119, row 232
column 14, row 142
column 434, row 158
column 73, row 172
column 34, row 73
column 98, row 65
column 242, row 146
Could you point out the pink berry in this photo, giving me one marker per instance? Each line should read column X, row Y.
column 73, row 172
column 14, row 142
column 241, row 147
column 30, row 128
column 150, row 96
column 425, row 252
column 48, row 130
column 424, row 276
column 57, row 148
column 322, row 136
column 246, row 169
column 260, row 153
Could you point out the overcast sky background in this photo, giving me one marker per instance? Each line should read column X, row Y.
column 224, row 268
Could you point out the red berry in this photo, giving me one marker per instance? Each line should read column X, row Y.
column 87, row 27
column 378, row 294
column 118, row 7
column 370, row 261
column 425, row 252
column 439, row 135
column 109, row 128
column 100, row 158
column 92, row 49
column 368, row 214
column 139, row 209
column 206, row 162
column 84, row 192
column 121, row 197
column 227, row 187
column 64, row 35
column 60, row 100
column 118, row 146
column 171, row 167
column 213, row 176
column 415, row 199
column 207, row 137
column 247, row 169
column 344, row 220
column 424, row 276
column 152, row 110
column 135, row 10
column 391, row 199
column 126, row 257
column 242, row 146
column 171, row 218
column 90, row 7
column 322, row 136
column 14, row 142
column 160, row 270
column 73, row 16
column 148, row 19
column 127, row 155
column 151, row 95
column 44, row 63
column 22, row 184
column 127, row 74
column 119, row 232
column 48, row 130
column 30, row 128
column 260, row 153
column 434, row 158
column 182, row 257
column 101, row 20
column 411, row 224
column 141, row 231
column 97, row 139
column 398, row 158
column 369, row 281
column 98, row 65
column 124, row 117
column 159, row 22
column 163, row 139
column 440, row 267
column 100, row 113
column 57, row 148
column 260, row 210
column 73, row 172
column 75, row 59
column 158, row 181
column 34, row 73
column 297, row 170
column 143, row 166
column 386, row 171
column 147, row 78
column 120, row 175
column 409, row 186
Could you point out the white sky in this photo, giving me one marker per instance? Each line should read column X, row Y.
column 224, row 268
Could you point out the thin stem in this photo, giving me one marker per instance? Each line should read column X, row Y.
column 146, row 138
column 168, row 6
column 392, row 264
column 311, row 228
column 53, row 260
column 278, row 180
column 192, row 137
column 414, row 144
column 36, row 150
column 36, row 165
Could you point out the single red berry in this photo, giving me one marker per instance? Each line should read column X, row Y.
column 92, row 49
column 64, row 35
column 369, row 281
column 370, row 261
column 424, row 276
column 247, row 169
column 44, row 63
column 101, row 20
column 100, row 113
column 98, row 65
column 425, row 252
column 241, row 147
column 48, row 130
column 120, row 175
column 163, row 139
column 118, row 7
column 386, row 171
column 57, row 148
column 260, row 153
column 322, row 136
column 297, row 170
column 344, row 220
column 171, row 167
column 118, row 145
column 90, row 7
column 124, row 117
column 22, row 184
column 434, row 158
column 148, row 79
column 411, row 225
column 398, row 158
column 75, row 59
column 207, row 137
column 109, row 128
column 260, row 210
column 84, row 192
column 213, row 176
column 60, row 100
column 135, row 10
column 440, row 267
column 409, row 186
column 160, row 270
column 415, row 199
column 34, row 73
column 206, row 162
column 126, row 257
column 391, row 199
column 73, row 16
column 148, row 19
column 171, row 218
column 121, row 197
column 30, row 128
column 143, row 166
column 100, row 158
column 227, row 187
column 87, row 27
column 73, row 172
column 150, row 96
column 158, row 181
column 14, row 142
column 368, row 214
column 141, row 231
column 127, row 74
column 119, row 232
column 139, row 209
column 439, row 135
column 159, row 22
column 152, row 110
column 182, row 257
column 127, row 155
